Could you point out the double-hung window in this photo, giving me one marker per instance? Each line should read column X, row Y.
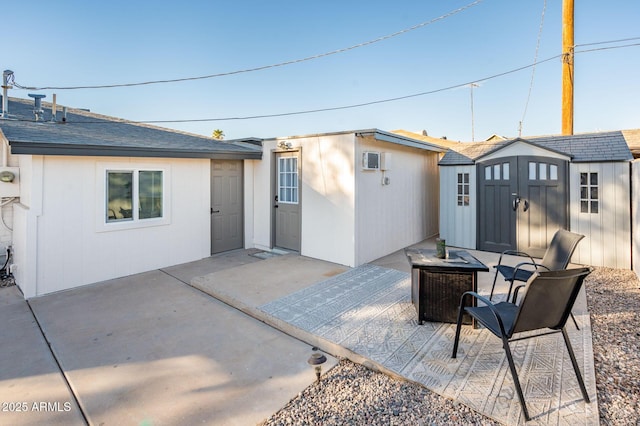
column 134, row 195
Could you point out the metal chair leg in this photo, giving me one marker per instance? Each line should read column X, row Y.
column 576, row 368
column 516, row 381
column 458, row 328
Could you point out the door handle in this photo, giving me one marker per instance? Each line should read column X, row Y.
column 214, row 211
column 515, row 203
column 526, row 206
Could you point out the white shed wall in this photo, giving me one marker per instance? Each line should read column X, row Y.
column 327, row 197
column 635, row 211
column 458, row 224
column 607, row 239
column 391, row 217
column 60, row 243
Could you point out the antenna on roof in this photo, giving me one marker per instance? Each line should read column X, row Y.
column 37, row 108
column 7, row 76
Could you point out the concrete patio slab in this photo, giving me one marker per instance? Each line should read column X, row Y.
column 148, row 349
column 32, row 387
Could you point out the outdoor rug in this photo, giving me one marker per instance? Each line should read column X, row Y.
column 368, row 310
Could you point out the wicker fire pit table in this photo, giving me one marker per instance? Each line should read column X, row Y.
column 437, row 284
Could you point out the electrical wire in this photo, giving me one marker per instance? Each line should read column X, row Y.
column 533, row 69
column 343, row 107
column 607, row 42
column 264, row 67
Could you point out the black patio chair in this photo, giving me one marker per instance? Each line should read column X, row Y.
column 546, row 304
column 557, row 257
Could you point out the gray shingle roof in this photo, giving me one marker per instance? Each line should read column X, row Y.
column 582, row 148
column 86, row 133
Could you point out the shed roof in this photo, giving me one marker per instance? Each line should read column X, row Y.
column 88, row 134
column 582, row 148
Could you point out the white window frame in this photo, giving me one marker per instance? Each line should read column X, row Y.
column 102, row 170
column 294, row 187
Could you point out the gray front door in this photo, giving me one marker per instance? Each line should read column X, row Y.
column 522, row 202
column 286, row 201
column 226, row 205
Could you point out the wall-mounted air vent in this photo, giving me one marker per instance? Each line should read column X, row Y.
column 371, row 160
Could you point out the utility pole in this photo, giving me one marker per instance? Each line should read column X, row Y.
column 472, row 85
column 567, row 67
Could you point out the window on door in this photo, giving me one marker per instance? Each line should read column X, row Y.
column 288, row 180
column 589, row 196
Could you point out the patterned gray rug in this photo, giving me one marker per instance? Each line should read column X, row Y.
column 368, row 310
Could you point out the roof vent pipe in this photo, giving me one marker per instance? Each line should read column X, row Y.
column 37, row 108
column 7, row 76
column 54, row 107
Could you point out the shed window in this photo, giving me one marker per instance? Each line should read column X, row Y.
column 134, row 195
column 463, row 189
column 589, row 196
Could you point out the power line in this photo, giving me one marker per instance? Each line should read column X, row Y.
column 607, row 42
column 533, row 69
column 343, row 107
column 264, row 67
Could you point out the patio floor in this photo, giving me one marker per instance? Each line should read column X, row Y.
column 367, row 315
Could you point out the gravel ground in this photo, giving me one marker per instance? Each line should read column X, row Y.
column 351, row 394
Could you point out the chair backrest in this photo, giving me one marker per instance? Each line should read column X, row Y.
column 548, row 299
column 560, row 250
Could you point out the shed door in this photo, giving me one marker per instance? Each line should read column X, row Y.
column 287, row 200
column 522, row 203
column 226, row 205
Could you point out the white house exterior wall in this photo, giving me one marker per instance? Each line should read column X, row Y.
column 404, row 212
column 327, row 197
column 60, row 243
column 635, row 211
column 607, row 239
column 457, row 223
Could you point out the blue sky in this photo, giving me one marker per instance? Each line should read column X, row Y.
column 79, row 43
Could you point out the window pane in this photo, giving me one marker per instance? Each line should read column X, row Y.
column 594, row 178
column 505, row 171
column 532, row 171
column 487, row 173
column 594, row 207
column 584, row 192
column 119, row 196
column 496, row 172
column 543, row 171
column 465, row 190
column 466, row 177
column 459, row 200
column 553, row 172
column 150, row 194
column 583, row 179
column 584, row 206
column 459, row 177
column 594, row 192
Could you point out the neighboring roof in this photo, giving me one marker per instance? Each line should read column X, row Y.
column 88, row 134
column 633, row 141
column 443, row 142
column 582, row 148
column 378, row 134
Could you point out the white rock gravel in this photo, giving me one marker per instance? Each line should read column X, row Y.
column 351, row 394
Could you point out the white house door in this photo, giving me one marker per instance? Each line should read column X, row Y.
column 226, row 205
column 286, row 202
column 522, row 203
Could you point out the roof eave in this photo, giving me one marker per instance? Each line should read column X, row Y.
column 31, row 148
column 400, row 140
